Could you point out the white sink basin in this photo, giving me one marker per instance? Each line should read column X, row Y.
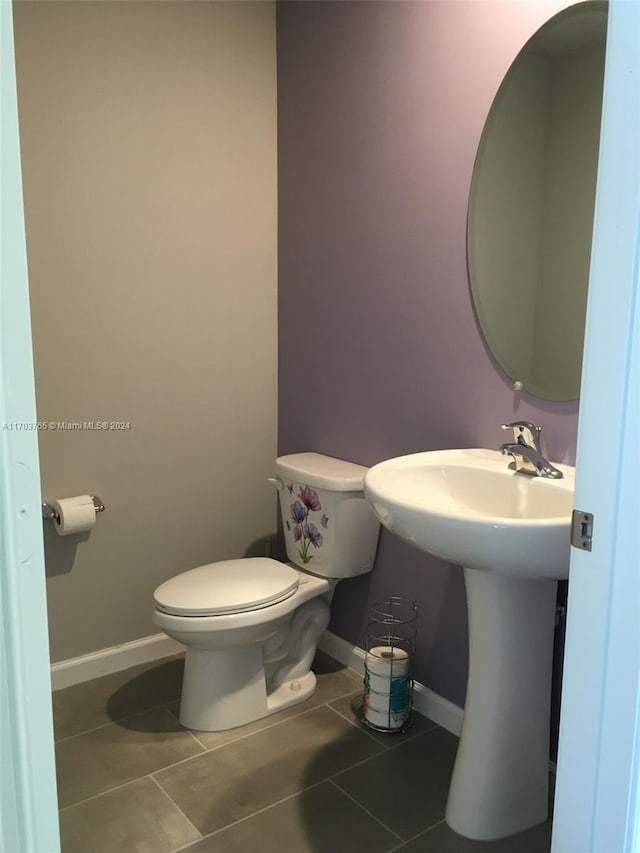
column 511, row 533
column 469, row 508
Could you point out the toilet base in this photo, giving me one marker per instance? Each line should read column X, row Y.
column 291, row 693
column 225, row 689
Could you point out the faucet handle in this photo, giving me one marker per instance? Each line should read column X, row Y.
column 524, row 432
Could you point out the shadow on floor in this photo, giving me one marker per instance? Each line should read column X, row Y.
column 161, row 684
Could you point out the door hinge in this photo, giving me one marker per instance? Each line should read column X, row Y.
column 581, row 529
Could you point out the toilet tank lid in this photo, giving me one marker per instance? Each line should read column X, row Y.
column 325, row 472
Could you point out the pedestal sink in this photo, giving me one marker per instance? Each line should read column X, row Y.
column 511, row 533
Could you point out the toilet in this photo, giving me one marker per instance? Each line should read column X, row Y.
column 251, row 626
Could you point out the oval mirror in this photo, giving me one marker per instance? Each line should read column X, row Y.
column 531, row 203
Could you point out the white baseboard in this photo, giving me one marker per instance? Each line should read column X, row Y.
column 425, row 701
column 113, row 659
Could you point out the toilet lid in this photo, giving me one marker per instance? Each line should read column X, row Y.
column 231, row 586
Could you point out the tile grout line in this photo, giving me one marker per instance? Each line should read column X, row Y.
column 137, row 778
column 102, row 793
column 182, row 760
column 264, row 728
column 356, row 724
column 366, row 811
column 329, row 780
column 361, row 727
column 372, row 757
column 252, row 815
column 231, row 742
column 117, row 720
column 418, row 835
column 213, row 749
column 177, row 807
column 192, row 732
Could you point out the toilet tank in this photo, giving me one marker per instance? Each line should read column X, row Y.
column 329, row 528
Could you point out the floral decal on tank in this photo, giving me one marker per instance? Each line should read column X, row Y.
column 305, row 530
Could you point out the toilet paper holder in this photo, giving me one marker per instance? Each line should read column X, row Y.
column 49, row 513
column 387, row 701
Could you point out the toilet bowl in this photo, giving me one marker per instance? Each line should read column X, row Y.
column 251, row 626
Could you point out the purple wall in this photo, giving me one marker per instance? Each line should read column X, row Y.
column 381, row 106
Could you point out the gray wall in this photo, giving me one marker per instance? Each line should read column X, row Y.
column 381, row 107
column 531, row 211
column 149, row 156
column 575, row 105
column 504, row 233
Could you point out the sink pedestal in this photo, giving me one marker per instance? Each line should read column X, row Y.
column 501, row 776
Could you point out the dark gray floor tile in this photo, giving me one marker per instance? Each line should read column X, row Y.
column 406, row 787
column 101, row 759
column 330, row 684
column 320, row 820
column 138, row 816
column 324, row 663
column 93, row 703
column 234, row 781
column 441, row 839
column 349, row 706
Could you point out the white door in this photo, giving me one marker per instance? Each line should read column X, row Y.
column 28, row 808
column 596, row 807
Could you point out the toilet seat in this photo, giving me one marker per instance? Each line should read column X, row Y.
column 230, row 586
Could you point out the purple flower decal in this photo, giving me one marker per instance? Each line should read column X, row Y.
column 313, row 535
column 298, row 512
column 310, row 499
column 305, row 533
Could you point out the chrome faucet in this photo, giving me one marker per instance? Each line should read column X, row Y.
column 525, row 449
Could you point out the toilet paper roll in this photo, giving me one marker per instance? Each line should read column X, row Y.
column 387, row 661
column 74, row 515
column 385, row 684
column 396, row 697
column 384, row 720
column 387, row 693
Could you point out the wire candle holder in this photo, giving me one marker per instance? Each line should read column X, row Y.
column 387, row 703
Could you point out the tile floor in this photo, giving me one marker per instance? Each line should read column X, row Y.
column 307, row 780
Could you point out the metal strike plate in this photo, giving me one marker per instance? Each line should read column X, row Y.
column 581, row 529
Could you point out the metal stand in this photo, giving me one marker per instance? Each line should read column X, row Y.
column 387, row 704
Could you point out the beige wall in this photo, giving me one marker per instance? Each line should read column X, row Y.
column 149, row 156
